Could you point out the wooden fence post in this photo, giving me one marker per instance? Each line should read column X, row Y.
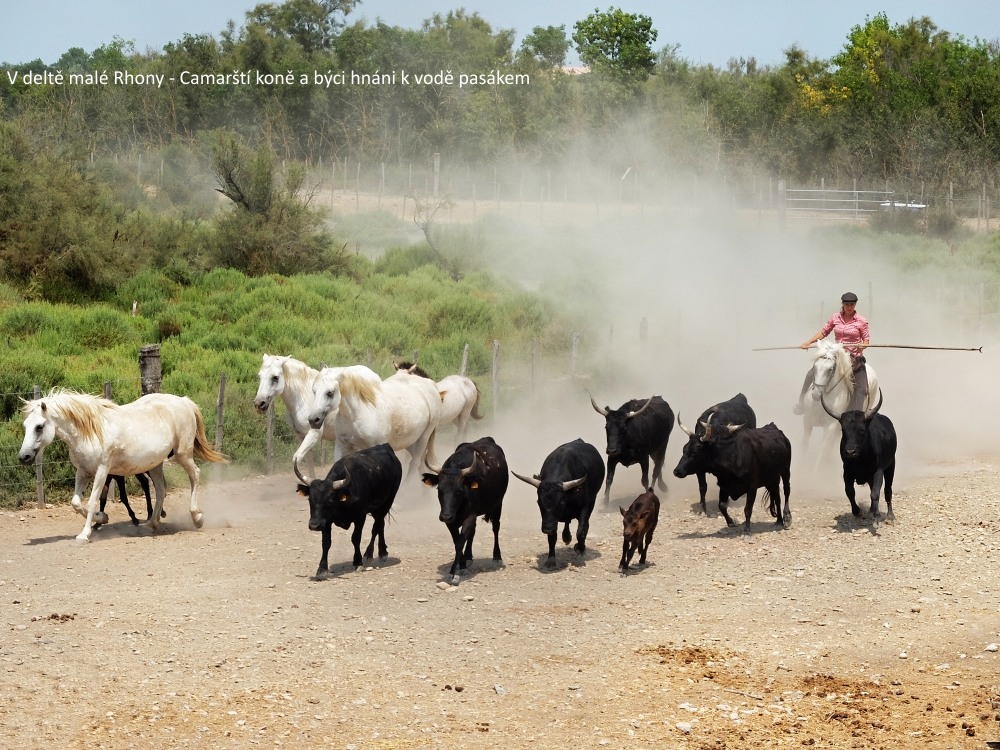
column 465, row 360
column 39, row 476
column 150, row 373
column 113, row 487
column 220, row 402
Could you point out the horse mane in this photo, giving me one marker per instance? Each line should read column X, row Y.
column 298, row 375
column 360, row 387
column 83, row 410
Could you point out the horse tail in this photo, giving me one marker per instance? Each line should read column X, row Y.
column 773, row 506
column 476, row 414
column 202, row 448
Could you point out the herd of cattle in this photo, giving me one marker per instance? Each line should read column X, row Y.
column 371, row 419
column 471, row 483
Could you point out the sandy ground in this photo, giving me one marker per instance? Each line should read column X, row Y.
column 825, row 635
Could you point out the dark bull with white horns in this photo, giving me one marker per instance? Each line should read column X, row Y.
column 715, row 420
column 360, row 484
column 567, row 485
column 744, row 459
column 471, row 483
column 868, row 450
column 637, row 431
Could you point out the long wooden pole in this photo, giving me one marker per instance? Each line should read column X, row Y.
column 887, row 346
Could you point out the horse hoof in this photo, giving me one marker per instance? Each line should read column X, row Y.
column 83, row 537
column 100, row 518
column 199, row 519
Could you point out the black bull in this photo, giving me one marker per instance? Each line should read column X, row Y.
column 567, row 485
column 359, row 484
column 868, row 451
column 637, row 431
column 745, row 460
column 472, row 482
column 735, row 411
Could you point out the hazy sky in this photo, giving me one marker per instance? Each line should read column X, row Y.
column 710, row 31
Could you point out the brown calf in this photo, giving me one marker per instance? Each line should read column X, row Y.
column 639, row 522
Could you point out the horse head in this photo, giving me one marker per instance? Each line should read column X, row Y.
column 39, row 431
column 326, row 396
column 271, row 382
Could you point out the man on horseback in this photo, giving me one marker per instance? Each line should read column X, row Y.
column 850, row 329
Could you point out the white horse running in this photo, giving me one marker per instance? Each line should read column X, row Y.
column 833, row 380
column 402, row 410
column 293, row 381
column 459, row 399
column 105, row 438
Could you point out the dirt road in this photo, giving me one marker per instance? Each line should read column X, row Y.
column 824, row 635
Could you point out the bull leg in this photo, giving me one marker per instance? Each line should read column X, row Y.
column 876, row 487
column 628, row 550
column 582, row 527
column 567, row 537
column 469, row 532
column 612, row 465
column 378, row 530
column 644, row 465
column 456, row 539
column 323, row 570
column 724, row 507
column 359, row 527
column 644, row 545
column 144, row 484
column 658, row 458
column 849, row 489
column 890, row 470
column 495, row 521
column 702, row 491
column 748, row 510
column 551, row 561
column 786, row 517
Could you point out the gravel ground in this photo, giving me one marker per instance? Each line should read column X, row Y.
column 825, row 635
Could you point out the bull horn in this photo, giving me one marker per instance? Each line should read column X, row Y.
column 572, row 484
column 533, row 482
column 641, row 410
column 734, row 427
column 429, row 465
column 471, row 467
column 341, row 483
column 681, row 425
column 295, row 468
column 827, row 408
column 874, row 410
column 707, row 424
column 603, row 412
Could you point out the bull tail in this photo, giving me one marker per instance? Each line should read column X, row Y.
column 475, row 414
column 202, row 448
column 774, row 503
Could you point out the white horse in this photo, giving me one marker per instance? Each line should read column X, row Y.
column 293, row 381
column 459, row 399
column 833, row 380
column 105, row 438
column 401, row 410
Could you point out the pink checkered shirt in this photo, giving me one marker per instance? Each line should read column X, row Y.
column 847, row 333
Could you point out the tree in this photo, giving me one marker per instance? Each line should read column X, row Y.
column 548, row 45
column 314, row 24
column 617, row 43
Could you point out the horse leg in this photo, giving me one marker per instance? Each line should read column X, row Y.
column 193, row 472
column 160, row 488
column 95, row 494
column 304, row 450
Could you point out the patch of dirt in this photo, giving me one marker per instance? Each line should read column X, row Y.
column 823, row 636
